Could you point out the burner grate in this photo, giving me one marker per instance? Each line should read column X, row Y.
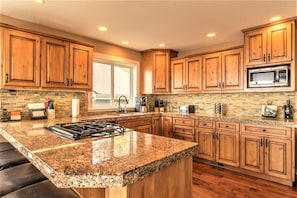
column 87, row 128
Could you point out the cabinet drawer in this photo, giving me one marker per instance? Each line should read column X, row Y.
column 227, row 126
column 205, row 123
column 186, row 137
column 184, row 130
column 268, row 130
column 184, row 121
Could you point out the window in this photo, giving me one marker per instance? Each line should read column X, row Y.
column 110, row 81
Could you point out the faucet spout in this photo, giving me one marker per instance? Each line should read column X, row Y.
column 120, row 110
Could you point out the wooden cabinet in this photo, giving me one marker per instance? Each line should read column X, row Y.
column 32, row 59
column 155, row 71
column 167, row 126
column 223, row 71
column 272, row 44
column 65, row 65
column 186, row 75
column 218, row 141
column 267, row 150
column 205, row 131
column 156, row 125
column 21, row 59
column 137, row 124
column 183, row 128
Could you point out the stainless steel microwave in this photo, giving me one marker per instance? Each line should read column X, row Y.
column 271, row 76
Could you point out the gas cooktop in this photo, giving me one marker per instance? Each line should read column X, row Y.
column 87, row 128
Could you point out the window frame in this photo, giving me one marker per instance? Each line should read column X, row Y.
column 122, row 62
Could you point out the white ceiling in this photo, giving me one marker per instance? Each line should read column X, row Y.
column 182, row 25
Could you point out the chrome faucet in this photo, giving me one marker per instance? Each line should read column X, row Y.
column 120, row 110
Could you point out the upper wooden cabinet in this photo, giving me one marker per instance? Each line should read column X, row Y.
column 272, row 44
column 20, row 59
column 186, row 75
column 155, row 71
column 34, row 60
column 223, row 71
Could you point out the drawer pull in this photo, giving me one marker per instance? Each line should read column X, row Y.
column 261, row 142
column 227, row 126
column 266, row 143
column 6, row 78
column 204, row 124
column 264, row 130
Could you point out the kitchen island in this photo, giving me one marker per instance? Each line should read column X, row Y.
column 131, row 165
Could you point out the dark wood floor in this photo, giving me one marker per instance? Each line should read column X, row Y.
column 210, row 181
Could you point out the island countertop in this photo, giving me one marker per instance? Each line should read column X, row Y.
column 94, row 162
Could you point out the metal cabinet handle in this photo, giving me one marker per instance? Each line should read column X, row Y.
column 227, row 126
column 264, row 130
column 261, row 142
column 67, row 82
column 269, row 57
column 71, row 82
column 264, row 57
column 266, row 143
column 223, row 85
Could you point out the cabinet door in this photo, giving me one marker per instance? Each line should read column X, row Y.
column 144, row 129
column 227, row 147
column 161, row 72
column 232, row 69
column 279, row 45
column 255, row 47
column 212, row 71
column 178, row 75
column 156, row 126
column 206, row 143
column 167, row 126
column 80, row 73
column 278, row 158
column 21, row 59
column 193, row 72
column 54, row 63
column 252, row 153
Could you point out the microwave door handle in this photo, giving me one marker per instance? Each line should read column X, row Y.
column 276, row 76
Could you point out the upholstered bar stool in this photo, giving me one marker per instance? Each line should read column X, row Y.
column 10, row 158
column 44, row 189
column 19, row 176
column 5, row 146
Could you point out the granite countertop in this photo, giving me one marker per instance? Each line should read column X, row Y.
column 239, row 119
column 94, row 162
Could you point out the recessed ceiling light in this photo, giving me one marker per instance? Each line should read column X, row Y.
column 211, row 35
column 276, row 18
column 161, row 45
column 39, row 1
column 102, row 28
column 125, row 42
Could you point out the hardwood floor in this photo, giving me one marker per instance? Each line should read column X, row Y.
column 210, row 181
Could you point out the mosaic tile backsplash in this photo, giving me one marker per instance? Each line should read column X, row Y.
column 248, row 104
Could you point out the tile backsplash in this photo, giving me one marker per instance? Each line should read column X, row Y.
column 244, row 103
column 248, row 104
column 17, row 100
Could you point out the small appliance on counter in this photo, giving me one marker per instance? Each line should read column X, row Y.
column 288, row 110
column 184, row 109
column 191, row 108
column 269, row 111
column 37, row 111
column 5, row 117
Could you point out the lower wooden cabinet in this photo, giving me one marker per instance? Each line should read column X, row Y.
column 167, row 126
column 137, row 124
column 267, row 150
column 218, row 141
column 183, row 128
column 156, row 125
